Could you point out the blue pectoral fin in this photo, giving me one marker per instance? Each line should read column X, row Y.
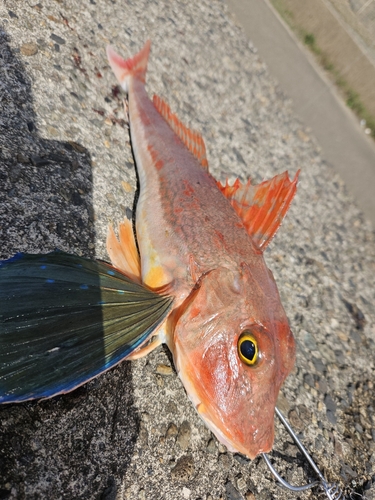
column 65, row 319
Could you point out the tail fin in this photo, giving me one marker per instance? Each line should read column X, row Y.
column 133, row 67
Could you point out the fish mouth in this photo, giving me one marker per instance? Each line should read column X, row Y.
column 262, row 442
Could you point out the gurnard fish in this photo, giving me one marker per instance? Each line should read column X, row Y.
column 193, row 277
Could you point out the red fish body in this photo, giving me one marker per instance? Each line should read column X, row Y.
column 203, row 243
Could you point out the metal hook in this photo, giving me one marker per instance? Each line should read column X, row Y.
column 332, row 491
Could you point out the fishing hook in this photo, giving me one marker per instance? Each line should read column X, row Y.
column 332, row 491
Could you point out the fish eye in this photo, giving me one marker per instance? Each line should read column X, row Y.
column 248, row 348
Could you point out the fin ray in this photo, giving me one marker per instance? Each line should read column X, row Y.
column 65, row 319
column 192, row 139
column 123, row 252
column 262, row 207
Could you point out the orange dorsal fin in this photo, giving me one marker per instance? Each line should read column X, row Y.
column 133, row 67
column 192, row 139
column 123, row 252
column 262, row 207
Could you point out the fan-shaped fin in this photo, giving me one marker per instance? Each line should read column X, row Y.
column 65, row 319
column 262, row 207
column 124, row 254
column 192, row 139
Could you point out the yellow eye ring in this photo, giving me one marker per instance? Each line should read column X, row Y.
column 248, row 348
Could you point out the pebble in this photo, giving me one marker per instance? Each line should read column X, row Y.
column 184, row 435
column 186, row 492
column 283, row 403
column 171, row 408
column 241, row 484
column 331, row 417
column 15, row 173
column 52, row 131
column 250, row 496
column 347, row 472
column 57, row 39
column 126, row 187
column 304, row 414
column 319, row 365
column 241, row 459
column 164, row 369
column 330, row 404
column 172, row 430
column 77, row 147
column 295, row 420
column 308, row 378
column 212, row 446
column 21, row 158
column 309, row 341
column 143, row 435
column 232, row 493
column 29, row 49
column 39, row 161
column 184, row 469
column 222, row 448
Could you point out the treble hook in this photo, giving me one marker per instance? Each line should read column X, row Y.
column 332, row 491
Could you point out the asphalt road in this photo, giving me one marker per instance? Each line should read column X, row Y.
column 315, row 99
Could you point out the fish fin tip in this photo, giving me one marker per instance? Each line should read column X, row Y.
column 144, row 349
column 193, row 140
column 135, row 66
column 123, row 252
column 262, row 207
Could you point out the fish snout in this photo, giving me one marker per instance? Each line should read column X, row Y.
column 249, row 434
column 254, row 433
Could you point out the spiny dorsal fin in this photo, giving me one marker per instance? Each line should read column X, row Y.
column 192, row 139
column 124, row 254
column 262, row 207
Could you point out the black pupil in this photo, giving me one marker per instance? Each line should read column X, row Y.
column 248, row 349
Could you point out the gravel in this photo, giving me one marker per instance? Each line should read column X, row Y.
column 65, row 171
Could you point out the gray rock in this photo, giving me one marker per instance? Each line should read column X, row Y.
column 231, row 492
column 184, row 435
column 184, row 469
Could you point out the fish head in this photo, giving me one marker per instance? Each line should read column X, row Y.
column 233, row 349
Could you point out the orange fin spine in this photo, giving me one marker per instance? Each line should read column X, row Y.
column 262, row 207
column 143, row 351
column 135, row 67
column 192, row 139
column 123, row 252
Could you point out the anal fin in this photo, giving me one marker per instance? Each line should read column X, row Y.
column 262, row 207
column 123, row 252
column 192, row 139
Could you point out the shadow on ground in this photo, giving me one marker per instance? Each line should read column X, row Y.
column 77, row 445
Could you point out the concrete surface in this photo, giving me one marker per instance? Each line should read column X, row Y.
column 315, row 101
column 66, row 170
